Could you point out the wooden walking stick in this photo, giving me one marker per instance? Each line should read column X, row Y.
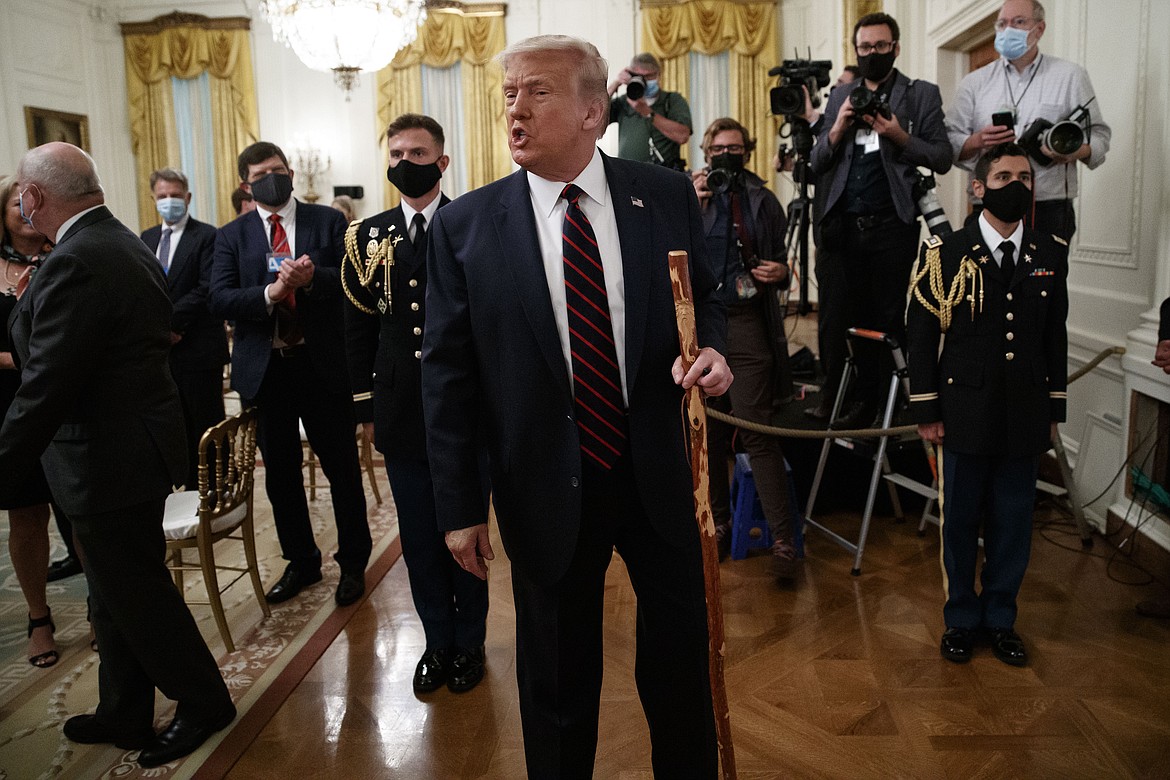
column 684, row 309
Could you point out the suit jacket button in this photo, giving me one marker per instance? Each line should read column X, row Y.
column 1010, row 316
column 574, row 482
column 414, row 306
column 418, row 331
column 1010, row 336
column 1010, row 356
column 418, row 354
column 414, row 282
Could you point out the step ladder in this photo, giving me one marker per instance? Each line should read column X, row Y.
column 899, row 379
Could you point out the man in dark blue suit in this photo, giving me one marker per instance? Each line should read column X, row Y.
column 551, row 338
column 184, row 247
column 276, row 275
column 383, row 331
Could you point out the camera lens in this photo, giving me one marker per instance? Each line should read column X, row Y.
column 1065, row 137
column 719, row 180
column 863, row 100
column 636, row 88
column 787, row 99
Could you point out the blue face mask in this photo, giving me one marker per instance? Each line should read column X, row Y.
column 1012, row 43
column 171, row 209
column 27, row 218
column 651, row 87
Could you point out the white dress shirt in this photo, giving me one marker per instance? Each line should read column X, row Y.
column 993, row 239
column 428, row 213
column 549, row 208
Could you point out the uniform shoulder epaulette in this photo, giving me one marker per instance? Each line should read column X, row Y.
column 934, row 242
column 1059, row 240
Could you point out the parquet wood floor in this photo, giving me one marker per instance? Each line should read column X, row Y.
column 837, row 677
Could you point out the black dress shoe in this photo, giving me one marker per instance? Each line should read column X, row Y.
column 860, row 414
column 957, row 645
column 431, row 672
column 350, row 588
column 182, row 738
column 1008, row 647
column 465, row 670
column 66, row 567
column 88, row 730
column 293, row 581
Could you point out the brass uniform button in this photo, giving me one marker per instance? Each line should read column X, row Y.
column 1010, row 356
column 1011, row 336
column 418, row 331
column 1010, row 316
column 414, row 307
column 414, row 282
column 418, row 354
column 1043, row 293
column 950, row 380
column 1009, row 296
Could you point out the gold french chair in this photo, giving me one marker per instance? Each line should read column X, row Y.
column 221, row 508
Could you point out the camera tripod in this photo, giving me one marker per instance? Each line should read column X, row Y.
column 800, row 208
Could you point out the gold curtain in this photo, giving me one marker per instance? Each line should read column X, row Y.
column 472, row 35
column 747, row 30
column 854, row 10
column 185, row 46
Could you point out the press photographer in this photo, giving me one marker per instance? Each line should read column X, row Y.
column 1020, row 96
column 868, row 164
column 744, row 226
column 653, row 124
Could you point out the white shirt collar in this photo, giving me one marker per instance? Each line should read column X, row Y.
column 69, row 222
column 286, row 212
column 592, row 182
column 993, row 239
column 428, row 211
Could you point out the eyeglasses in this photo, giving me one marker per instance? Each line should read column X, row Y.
column 725, row 149
column 1019, row 23
column 881, row 47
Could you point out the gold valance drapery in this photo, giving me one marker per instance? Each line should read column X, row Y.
column 184, row 46
column 472, row 34
column 747, row 30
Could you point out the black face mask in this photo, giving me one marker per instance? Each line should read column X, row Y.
column 728, row 161
column 414, row 180
column 876, row 67
column 1008, row 203
column 272, row 189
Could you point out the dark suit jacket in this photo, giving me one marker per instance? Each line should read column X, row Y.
column 204, row 343
column 384, row 348
column 240, row 274
column 92, row 335
column 491, row 355
column 995, row 393
column 1164, row 321
column 918, row 106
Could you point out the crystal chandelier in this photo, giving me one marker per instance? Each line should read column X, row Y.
column 345, row 36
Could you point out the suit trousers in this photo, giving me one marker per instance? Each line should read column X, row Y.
column 753, row 395
column 147, row 635
column 875, row 277
column 559, row 641
column 201, row 395
column 293, row 390
column 451, row 602
column 1001, row 491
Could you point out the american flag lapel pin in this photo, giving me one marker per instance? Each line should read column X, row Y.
column 636, row 201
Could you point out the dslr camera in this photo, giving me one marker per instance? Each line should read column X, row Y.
column 926, row 196
column 788, row 98
column 723, row 176
column 1064, row 137
column 636, row 88
column 866, row 102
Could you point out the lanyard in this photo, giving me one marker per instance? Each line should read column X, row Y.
column 1007, row 78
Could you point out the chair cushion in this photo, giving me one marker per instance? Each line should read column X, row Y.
column 181, row 516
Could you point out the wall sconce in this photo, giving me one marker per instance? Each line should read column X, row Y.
column 309, row 166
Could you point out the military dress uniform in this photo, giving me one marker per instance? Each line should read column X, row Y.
column 997, row 386
column 385, row 281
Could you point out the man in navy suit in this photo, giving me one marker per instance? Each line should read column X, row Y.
column 551, row 338
column 184, row 247
column 276, row 275
column 383, row 332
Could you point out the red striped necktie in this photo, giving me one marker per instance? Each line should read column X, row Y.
column 288, row 324
column 597, row 382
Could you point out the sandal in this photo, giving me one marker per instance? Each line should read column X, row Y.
column 49, row 657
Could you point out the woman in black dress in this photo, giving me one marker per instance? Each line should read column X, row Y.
column 28, row 518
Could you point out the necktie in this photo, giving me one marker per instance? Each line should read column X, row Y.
column 164, row 249
column 1007, row 265
column 746, row 249
column 288, row 326
column 419, row 223
column 597, row 381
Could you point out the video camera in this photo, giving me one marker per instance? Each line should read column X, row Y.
column 788, row 98
column 1064, row 137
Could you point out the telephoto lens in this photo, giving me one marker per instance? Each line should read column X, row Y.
column 636, row 88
